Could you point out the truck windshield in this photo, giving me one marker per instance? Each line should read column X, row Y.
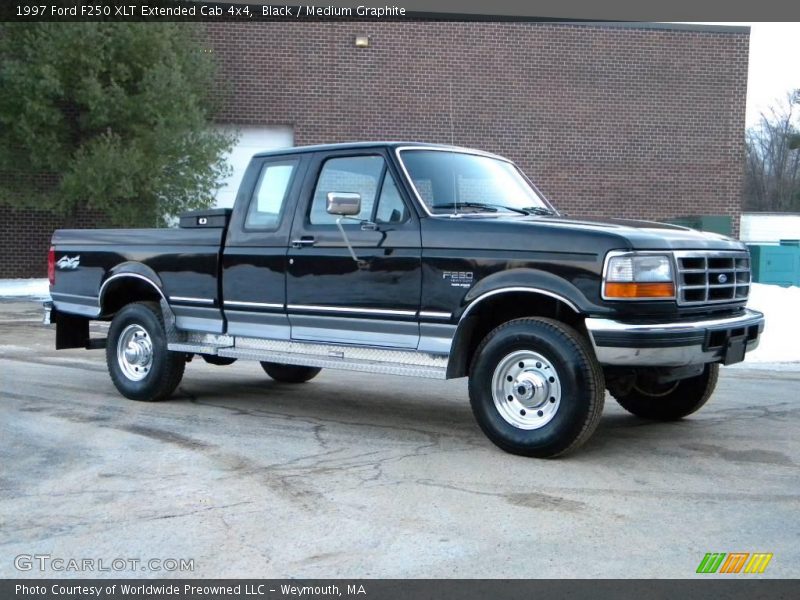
column 457, row 182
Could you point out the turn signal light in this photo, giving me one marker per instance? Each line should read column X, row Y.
column 639, row 290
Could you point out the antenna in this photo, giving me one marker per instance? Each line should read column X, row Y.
column 453, row 143
column 452, row 127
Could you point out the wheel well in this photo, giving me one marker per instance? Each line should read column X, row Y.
column 499, row 309
column 123, row 291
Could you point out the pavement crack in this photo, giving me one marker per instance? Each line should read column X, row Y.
column 194, row 512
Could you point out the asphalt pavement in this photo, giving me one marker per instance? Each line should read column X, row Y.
column 368, row 476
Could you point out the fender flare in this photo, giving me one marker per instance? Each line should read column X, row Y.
column 530, row 280
column 525, row 280
column 132, row 270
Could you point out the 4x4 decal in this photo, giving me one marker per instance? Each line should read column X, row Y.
column 69, row 263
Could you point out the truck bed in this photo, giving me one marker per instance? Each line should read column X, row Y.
column 184, row 264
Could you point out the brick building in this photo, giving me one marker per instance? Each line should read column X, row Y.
column 643, row 121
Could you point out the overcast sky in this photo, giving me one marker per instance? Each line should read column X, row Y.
column 774, row 64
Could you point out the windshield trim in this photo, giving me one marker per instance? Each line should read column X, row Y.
column 457, row 150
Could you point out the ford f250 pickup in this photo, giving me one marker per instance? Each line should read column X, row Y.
column 421, row 260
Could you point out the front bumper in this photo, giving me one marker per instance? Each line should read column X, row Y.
column 676, row 344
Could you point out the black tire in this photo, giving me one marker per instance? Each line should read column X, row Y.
column 571, row 400
column 672, row 402
column 290, row 373
column 156, row 381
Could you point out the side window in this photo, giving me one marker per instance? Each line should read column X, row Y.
column 270, row 195
column 352, row 174
column 391, row 208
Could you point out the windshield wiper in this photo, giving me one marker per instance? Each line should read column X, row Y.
column 537, row 210
column 486, row 207
column 527, row 210
column 482, row 205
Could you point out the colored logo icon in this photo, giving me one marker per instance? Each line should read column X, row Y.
column 734, row 562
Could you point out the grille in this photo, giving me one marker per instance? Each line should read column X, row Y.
column 712, row 277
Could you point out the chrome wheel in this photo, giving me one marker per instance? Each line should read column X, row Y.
column 526, row 389
column 135, row 352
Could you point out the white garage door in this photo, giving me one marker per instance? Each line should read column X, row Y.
column 251, row 140
column 769, row 227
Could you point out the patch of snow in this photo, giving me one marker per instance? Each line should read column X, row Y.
column 37, row 289
column 780, row 342
column 748, row 365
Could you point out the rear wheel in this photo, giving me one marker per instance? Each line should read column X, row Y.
column 536, row 388
column 140, row 365
column 289, row 373
column 670, row 401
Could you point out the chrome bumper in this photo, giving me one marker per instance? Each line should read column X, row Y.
column 48, row 309
column 675, row 344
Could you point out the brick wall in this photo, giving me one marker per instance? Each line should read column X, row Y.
column 608, row 121
column 25, row 238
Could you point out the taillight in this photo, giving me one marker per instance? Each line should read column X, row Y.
column 51, row 266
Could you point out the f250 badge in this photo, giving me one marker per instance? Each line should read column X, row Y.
column 462, row 279
column 69, row 263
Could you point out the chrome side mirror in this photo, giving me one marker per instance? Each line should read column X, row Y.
column 344, row 204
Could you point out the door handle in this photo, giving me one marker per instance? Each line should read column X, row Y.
column 306, row 240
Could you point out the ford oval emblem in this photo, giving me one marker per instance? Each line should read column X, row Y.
column 722, row 278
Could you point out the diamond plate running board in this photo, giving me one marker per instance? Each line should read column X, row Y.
column 329, row 356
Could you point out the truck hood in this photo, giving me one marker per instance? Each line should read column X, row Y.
column 644, row 235
column 551, row 234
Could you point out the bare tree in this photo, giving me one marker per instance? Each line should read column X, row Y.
column 772, row 169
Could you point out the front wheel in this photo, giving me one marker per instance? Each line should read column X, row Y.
column 289, row 373
column 536, row 388
column 140, row 365
column 668, row 402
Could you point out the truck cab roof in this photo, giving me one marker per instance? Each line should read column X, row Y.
column 390, row 145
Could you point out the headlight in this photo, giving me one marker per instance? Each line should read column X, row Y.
column 634, row 276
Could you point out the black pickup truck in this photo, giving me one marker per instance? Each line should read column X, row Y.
column 421, row 260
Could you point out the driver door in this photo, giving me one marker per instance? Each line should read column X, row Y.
column 331, row 297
